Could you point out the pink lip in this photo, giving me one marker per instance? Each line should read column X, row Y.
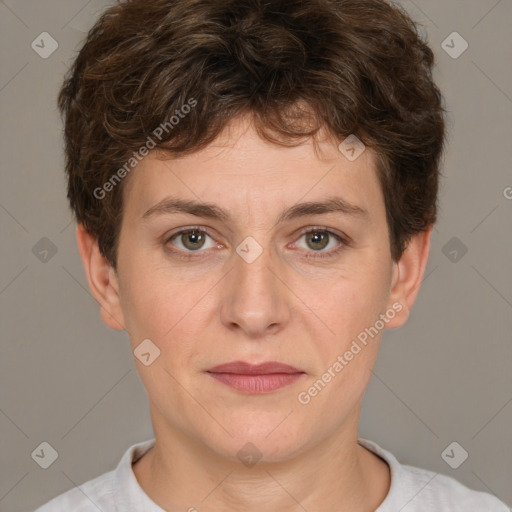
column 241, row 367
column 261, row 378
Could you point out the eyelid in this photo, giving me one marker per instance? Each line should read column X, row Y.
column 344, row 242
column 340, row 235
column 343, row 239
column 168, row 237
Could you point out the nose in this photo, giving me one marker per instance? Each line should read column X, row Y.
column 255, row 300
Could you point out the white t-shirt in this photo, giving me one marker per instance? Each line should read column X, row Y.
column 412, row 490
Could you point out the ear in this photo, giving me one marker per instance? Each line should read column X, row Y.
column 102, row 279
column 407, row 277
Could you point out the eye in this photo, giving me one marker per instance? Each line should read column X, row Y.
column 318, row 239
column 190, row 240
column 320, row 242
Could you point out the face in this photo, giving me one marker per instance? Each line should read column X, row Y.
column 256, row 278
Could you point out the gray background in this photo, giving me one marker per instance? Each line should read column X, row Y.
column 69, row 380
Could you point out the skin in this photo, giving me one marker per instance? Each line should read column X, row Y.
column 283, row 306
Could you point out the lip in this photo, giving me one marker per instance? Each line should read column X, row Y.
column 243, row 368
column 256, row 379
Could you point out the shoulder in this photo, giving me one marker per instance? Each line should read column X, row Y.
column 415, row 489
column 428, row 490
column 117, row 489
column 94, row 495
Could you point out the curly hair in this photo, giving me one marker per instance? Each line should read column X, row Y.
column 350, row 66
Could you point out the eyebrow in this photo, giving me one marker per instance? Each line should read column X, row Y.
column 169, row 206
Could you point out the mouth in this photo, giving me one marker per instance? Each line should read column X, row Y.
column 255, row 379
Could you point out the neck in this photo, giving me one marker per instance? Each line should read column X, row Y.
column 337, row 474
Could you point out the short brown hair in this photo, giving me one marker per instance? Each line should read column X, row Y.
column 360, row 66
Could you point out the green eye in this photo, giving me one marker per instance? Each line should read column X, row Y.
column 319, row 242
column 190, row 240
column 318, row 239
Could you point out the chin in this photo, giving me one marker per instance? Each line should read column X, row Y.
column 267, row 440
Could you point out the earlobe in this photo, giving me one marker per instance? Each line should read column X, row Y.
column 407, row 276
column 102, row 279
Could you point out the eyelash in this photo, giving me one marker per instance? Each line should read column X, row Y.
column 344, row 242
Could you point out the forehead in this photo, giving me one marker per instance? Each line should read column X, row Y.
column 244, row 173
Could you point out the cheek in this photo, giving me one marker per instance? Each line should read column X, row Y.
column 148, row 300
column 351, row 306
column 160, row 304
